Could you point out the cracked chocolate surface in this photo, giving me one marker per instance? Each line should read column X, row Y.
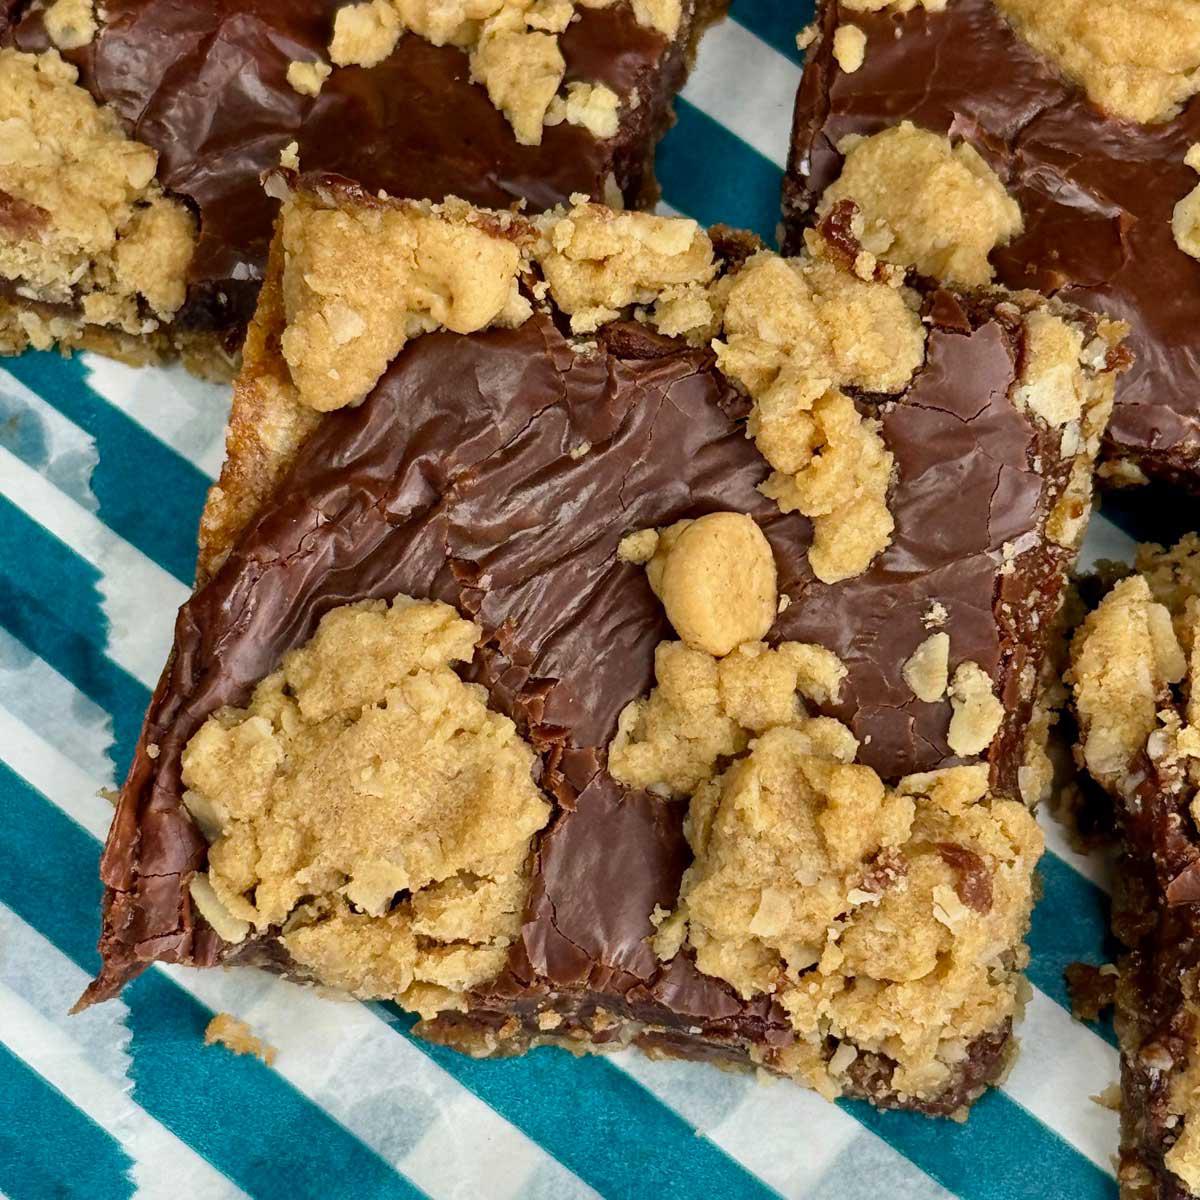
column 414, row 125
column 455, row 480
column 1096, row 193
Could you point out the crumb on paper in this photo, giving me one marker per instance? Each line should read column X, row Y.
column 227, row 1030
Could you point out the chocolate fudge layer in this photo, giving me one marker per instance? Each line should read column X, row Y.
column 1083, row 112
column 136, row 219
column 611, row 635
column 1135, row 663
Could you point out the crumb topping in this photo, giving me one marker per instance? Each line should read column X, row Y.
column 359, row 283
column 925, row 202
column 369, row 803
column 1185, row 218
column 704, row 708
column 598, row 261
column 849, row 47
column 1123, row 657
column 85, row 220
column 227, row 1030
column 512, row 47
column 795, row 332
column 927, row 670
column 308, row 77
column 976, row 710
column 716, row 579
column 896, row 6
column 1138, row 61
column 70, row 24
column 881, row 920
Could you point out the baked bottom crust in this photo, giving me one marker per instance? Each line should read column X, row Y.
column 755, row 843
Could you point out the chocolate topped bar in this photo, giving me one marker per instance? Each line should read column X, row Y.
column 496, row 101
column 612, row 633
column 1135, row 663
column 1081, row 117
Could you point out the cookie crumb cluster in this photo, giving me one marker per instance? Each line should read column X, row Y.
column 1185, row 217
column 235, row 1034
column 87, row 225
column 1137, row 61
column 369, row 805
column 512, row 47
column 925, row 202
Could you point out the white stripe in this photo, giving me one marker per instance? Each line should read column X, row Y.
column 731, row 61
column 1104, row 540
column 51, row 705
column 787, row 1136
column 65, row 453
column 180, row 410
column 1060, row 1066
column 32, row 1025
column 1096, row 867
column 340, row 1054
column 138, row 596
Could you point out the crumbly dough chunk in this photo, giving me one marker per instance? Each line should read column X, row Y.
column 849, row 47
column 86, row 223
column 307, row 77
column 592, row 105
column 1123, row 657
column 598, row 261
column 71, row 24
column 363, row 770
column 1140, row 61
column 364, row 34
column 227, row 1030
column 358, row 283
column 976, row 711
column 889, row 921
column 796, row 331
column 1185, row 219
column 704, row 708
column 925, row 202
column 927, row 670
column 716, row 579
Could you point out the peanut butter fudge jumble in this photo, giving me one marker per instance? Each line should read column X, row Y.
column 132, row 218
column 1064, row 132
column 614, row 633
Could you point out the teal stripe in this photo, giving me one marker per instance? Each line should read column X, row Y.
column 1057, row 940
column 49, row 600
column 710, row 174
column 619, row 1139
column 147, row 492
column 775, row 21
column 49, row 1148
column 246, row 1120
column 1001, row 1153
column 558, row 1088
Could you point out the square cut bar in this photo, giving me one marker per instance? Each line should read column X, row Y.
column 132, row 218
column 754, row 563
column 1135, row 667
column 1083, row 114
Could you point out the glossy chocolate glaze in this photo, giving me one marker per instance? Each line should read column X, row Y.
column 1096, row 193
column 205, row 85
column 455, row 479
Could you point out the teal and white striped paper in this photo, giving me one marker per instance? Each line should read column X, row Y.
column 103, row 471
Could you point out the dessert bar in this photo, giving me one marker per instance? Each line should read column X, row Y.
column 1135, row 663
column 132, row 217
column 1062, row 137
column 614, row 633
